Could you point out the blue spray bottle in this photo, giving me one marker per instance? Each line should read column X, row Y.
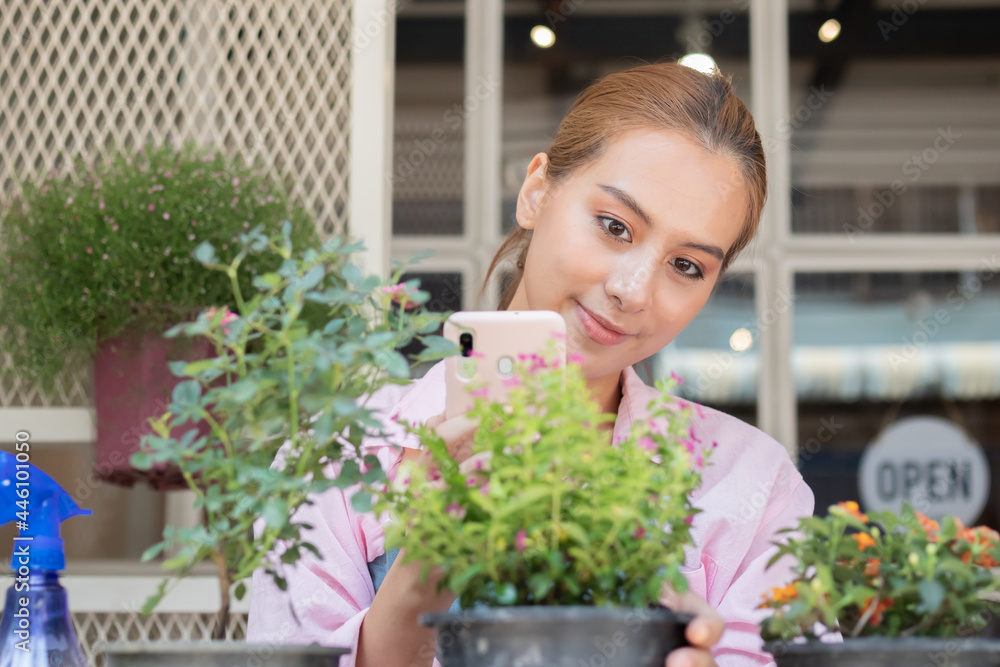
column 36, row 629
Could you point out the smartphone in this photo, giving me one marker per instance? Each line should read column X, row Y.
column 491, row 342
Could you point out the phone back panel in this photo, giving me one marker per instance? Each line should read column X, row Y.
column 498, row 338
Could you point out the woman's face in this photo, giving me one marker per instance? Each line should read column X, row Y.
column 628, row 248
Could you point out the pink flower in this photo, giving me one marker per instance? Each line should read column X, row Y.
column 639, row 532
column 104, row 256
column 471, row 482
column 114, row 228
column 485, row 489
column 455, row 510
column 693, row 436
column 521, row 540
column 482, row 392
column 511, row 382
column 228, row 319
column 714, row 444
column 689, row 520
column 434, row 474
column 690, row 446
column 676, row 378
column 699, row 461
column 150, row 208
column 194, row 223
column 190, row 237
column 90, row 251
column 166, row 216
column 647, row 443
column 100, row 205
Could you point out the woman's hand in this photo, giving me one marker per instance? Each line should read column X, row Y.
column 457, row 434
column 703, row 632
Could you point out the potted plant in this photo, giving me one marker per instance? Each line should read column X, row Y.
column 285, row 405
column 98, row 260
column 900, row 589
column 557, row 544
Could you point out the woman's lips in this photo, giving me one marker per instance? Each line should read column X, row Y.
column 596, row 330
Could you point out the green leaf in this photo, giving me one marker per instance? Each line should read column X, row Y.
column 459, row 581
column 931, row 596
column 312, row 277
column 333, row 326
column 187, row 393
column 240, row 590
column 153, row 551
column 205, row 253
column 506, row 594
column 352, row 274
column 361, row 502
column 268, row 281
column 154, row 599
column 141, row 460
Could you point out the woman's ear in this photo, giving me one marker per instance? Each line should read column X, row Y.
column 529, row 198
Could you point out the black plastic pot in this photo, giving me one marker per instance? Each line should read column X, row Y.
column 557, row 636
column 218, row 654
column 890, row 651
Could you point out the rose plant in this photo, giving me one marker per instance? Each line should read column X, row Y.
column 547, row 511
column 280, row 389
column 883, row 574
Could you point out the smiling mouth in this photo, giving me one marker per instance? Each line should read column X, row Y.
column 598, row 329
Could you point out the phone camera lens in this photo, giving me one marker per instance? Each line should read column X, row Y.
column 465, row 340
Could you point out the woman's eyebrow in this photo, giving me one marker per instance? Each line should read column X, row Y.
column 628, row 201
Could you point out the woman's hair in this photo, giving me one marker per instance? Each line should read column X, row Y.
column 667, row 96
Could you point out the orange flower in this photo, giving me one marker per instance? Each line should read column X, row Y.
column 864, row 540
column 929, row 525
column 872, row 566
column 780, row 595
column 852, row 509
column 876, row 618
column 983, row 537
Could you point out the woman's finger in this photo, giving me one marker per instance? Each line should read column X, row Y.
column 690, row 657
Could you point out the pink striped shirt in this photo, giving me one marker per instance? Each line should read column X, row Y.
column 749, row 491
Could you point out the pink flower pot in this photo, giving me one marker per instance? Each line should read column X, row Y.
column 134, row 383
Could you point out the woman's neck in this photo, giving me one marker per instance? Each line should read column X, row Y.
column 607, row 391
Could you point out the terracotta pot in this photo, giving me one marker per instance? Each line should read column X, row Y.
column 134, row 383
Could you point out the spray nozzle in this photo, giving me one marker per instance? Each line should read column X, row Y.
column 38, row 505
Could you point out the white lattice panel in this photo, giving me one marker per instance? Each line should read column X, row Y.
column 267, row 78
column 94, row 627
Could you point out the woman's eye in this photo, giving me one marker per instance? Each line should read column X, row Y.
column 615, row 229
column 688, row 269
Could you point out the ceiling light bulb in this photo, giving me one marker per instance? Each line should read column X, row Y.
column 542, row 36
column 741, row 340
column 829, row 31
column 702, row 62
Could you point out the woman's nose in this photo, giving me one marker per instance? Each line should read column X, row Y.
column 630, row 285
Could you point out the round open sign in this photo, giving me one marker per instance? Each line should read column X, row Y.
column 928, row 462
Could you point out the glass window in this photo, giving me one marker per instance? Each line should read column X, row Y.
column 717, row 354
column 893, row 124
column 872, row 349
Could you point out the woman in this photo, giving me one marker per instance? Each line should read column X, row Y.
column 652, row 186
